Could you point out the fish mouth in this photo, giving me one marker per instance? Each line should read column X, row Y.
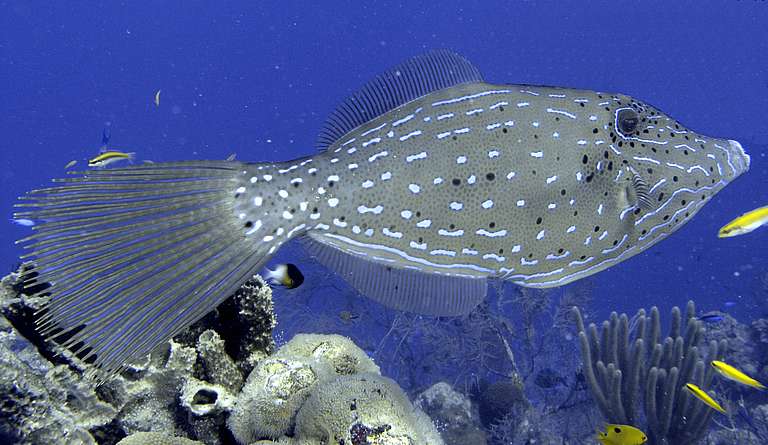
column 738, row 157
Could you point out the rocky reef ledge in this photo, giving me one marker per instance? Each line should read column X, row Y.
column 220, row 382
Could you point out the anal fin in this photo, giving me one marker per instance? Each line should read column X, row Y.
column 401, row 288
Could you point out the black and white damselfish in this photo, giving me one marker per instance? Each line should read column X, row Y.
column 431, row 181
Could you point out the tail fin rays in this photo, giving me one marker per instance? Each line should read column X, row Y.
column 135, row 255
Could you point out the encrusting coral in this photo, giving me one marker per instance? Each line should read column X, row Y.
column 317, row 388
column 625, row 362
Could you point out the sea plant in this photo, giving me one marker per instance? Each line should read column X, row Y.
column 630, row 365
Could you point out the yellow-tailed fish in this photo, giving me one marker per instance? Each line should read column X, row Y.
column 731, row 373
column 745, row 223
column 286, row 275
column 617, row 434
column 439, row 183
column 704, row 397
column 109, row 157
column 157, row 98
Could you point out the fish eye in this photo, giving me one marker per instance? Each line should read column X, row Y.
column 627, row 120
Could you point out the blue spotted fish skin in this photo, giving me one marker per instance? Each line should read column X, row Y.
column 529, row 184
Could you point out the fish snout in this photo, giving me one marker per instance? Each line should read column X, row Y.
column 739, row 158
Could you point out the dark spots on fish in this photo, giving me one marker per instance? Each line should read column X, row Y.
column 535, row 136
column 590, row 177
column 595, row 130
column 583, row 257
column 501, row 109
column 533, row 172
column 342, row 218
column 575, row 213
column 418, row 214
column 675, row 178
column 649, row 170
column 296, row 184
column 237, row 195
column 456, row 181
column 314, row 173
column 504, row 130
column 597, row 229
column 637, row 211
column 584, row 159
column 615, row 242
column 314, row 210
column 248, row 224
column 683, row 202
column 490, row 176
column 501, row 251
column 666, row 218
column 610, row 165
column 606, row 154
column 454, row 138
column 560, row 251
column 292, row 211
column 538, row 220
column 330, row 183
column 617, row 430
column 661, row 196
column 452, row 226
column 421, row 239
column 563, row 192
column 492, row 224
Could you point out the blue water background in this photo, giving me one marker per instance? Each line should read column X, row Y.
column 258, row 78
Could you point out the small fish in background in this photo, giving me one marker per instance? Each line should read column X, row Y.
column 232, row 157
column 157, row 98
column 730, row 304
column 732, row 373
column 70, row 164
column 710, row 317
column 704, row 397
column 348, row 316
column 745, row 223
column 22, row 222
column 286, row 275
column 617, row 434
column 110, row 157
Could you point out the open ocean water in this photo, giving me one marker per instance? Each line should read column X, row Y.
column 257, row 79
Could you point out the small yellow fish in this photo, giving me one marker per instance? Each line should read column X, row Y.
column 616, row 434
column 745, row 223
column 108, row 157
column 731, row 373
column 286, row 275
column 704, row 397
column 157, row 98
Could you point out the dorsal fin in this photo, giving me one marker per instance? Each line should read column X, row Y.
column 400, row 84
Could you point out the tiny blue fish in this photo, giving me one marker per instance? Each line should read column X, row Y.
column 729, row 304
column 23, row 222
column 710, row 318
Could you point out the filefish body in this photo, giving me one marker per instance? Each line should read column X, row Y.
column 431, row 182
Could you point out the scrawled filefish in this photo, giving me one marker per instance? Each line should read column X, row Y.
column 430, row 182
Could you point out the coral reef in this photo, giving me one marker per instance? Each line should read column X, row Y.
column 185, row 388
column 455, row 415
column 318, row 388
column 623, row 363
column 156, row 439
column 362, row 409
